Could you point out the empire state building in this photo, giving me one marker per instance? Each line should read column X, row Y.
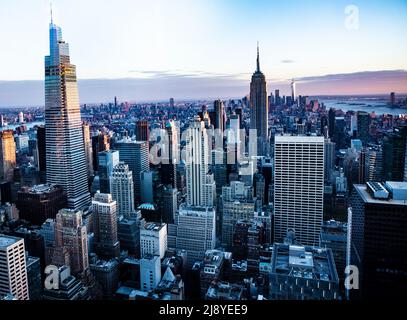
column 65, row 152
column 259, row 108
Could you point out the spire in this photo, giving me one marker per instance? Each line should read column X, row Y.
column 258, row 58
column 50, row 7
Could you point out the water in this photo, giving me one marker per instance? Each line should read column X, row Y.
column 379, row 106
column 29, row 125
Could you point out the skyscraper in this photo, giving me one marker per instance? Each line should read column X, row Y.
column 142, row 131
column 88, row 148
column 136, row 155
column 13, row 270
column 105, row 225
column 65, row 151
column 100, row 142
column 299, row 187
column 7, row 155
column 201, row 188
column 363, row 123
column 170, row 156
column 259, row 108
column 394, row 154
column 71, row 241
column 107, row 161
column 121, row 186
column 219, row 115
column 378, row 240
column 293, row 92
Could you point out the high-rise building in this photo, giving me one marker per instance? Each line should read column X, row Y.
column 331, row 122
column 107, row 161
column 7, row 155
column 299, row 187
column 13, row 270
column 377, row 225
column 392, row 98
column 65, row 152
column 100, row 142
column 40, row 202
column 394, row 154
column 170, row 157
column 121, row 186
column 88, row 148
column 339, row 134
column 168, row 204
column 201, row 187
column 293, row 92
column 196, row 231
column 20, row 117
column 329, row 161
column 71, row 241
column 106, row 274
column 237, row 203
column 150, row 272
column 303, row 273
column 153, row 239
column 219, row 115
column 374, row 163
column 41, row 142
column 363, row 123
column 105, row 226
column 259, row 108
column 136, row 155
column 142, row 131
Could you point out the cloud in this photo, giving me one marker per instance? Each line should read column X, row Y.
column 287, row 61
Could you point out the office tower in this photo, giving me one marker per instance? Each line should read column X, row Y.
column 219, row 108
column 219, row 168
column 392, row 98
column 374, row 163
column 299, row 187
column 150, row 272
column 142, row 131
column 48, row 232
column 363, row 123
column 13, row 271
column 128, row 231
column 201, row 188
column 148, row 182
column 339, row 135
column 394, row 154
column 170, row 157
column 277, row 97
column 121, row 186
column 20, row 117
column 136, row 155
column 65, row 152
column 7, row 155
column 248, row 237
column 105, row 225
column 34, row 277
column 234, row 140
column 41, row 142
column 107, row 160
column 88, row 148
column 171, row 102
column 259, row 108
column 212, row 268
column 334, row 236
column 153, row 239
column 69, row 287
column 378, row 240
column 196, row 231
column 22, row 142
column 237, row 203
column 293, row 92
column 40, row 202
column 2, row 122
column 106, row 274
column 168, row 204
column 302, row 273
column 329, row 160
column 331, row 122
column 100, row 142
column 266, row 169
column 71, row 241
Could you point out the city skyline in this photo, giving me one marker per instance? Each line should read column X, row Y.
column 143, row 56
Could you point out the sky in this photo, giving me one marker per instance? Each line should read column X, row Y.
column 206, row 48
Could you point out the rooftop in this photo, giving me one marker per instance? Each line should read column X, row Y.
column 6, row 241
column 367, row 197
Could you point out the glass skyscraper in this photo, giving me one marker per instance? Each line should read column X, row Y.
column 65, row 152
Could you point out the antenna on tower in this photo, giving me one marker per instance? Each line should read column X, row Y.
column 50, row 7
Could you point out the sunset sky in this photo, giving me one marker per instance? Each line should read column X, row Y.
column 205, row 48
